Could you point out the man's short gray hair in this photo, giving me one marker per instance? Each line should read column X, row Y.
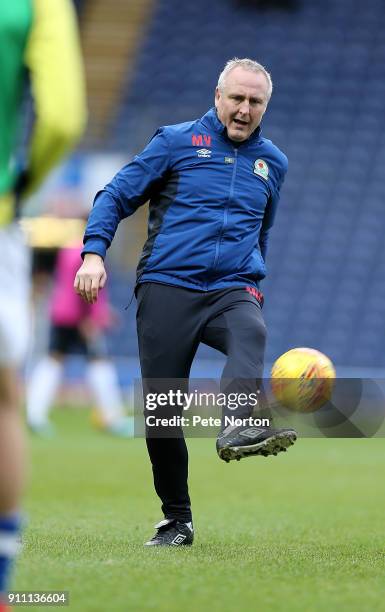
column 247, row 64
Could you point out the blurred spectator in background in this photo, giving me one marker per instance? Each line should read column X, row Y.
column 38, row 40
column 76, row 328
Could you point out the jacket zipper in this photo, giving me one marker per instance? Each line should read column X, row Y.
column 226, row 210
column 133, row 291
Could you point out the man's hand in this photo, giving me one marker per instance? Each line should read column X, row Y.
column 90, row 277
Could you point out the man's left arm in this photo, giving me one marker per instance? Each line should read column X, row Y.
column 269, row 216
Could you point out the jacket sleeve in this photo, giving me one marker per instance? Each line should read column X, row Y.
column 129, row 189
column 53, row 58
column 269, row 216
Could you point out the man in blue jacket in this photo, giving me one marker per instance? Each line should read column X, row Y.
column 213, row 187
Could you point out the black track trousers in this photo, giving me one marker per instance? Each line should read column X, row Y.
column 171, row 322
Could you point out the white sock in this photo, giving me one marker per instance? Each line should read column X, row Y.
column 41, row 390
column 104, row 385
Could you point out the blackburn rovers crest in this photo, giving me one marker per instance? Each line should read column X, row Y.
column 261, row 168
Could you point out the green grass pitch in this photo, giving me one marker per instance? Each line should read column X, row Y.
column 301, row 531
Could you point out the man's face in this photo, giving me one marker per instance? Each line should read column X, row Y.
column 242, row 102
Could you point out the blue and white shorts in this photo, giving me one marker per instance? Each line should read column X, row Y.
column 15, row 318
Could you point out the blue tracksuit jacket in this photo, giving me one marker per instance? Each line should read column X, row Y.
column 212, row 203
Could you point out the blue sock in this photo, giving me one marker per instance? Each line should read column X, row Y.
column 9, row 546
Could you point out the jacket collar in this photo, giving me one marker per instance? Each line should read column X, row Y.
column 210, row 120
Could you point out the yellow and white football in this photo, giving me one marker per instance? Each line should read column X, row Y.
column 302, row 379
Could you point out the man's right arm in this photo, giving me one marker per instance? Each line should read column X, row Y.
column 128, row 190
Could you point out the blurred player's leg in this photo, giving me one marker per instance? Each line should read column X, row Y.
column 103, row 381
column 11, row 472
column 41, row 392
column 14, row 334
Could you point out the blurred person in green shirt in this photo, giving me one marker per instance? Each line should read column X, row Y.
column 38, row 44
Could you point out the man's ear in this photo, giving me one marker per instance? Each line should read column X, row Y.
column 217, row 96
column 265, row 109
